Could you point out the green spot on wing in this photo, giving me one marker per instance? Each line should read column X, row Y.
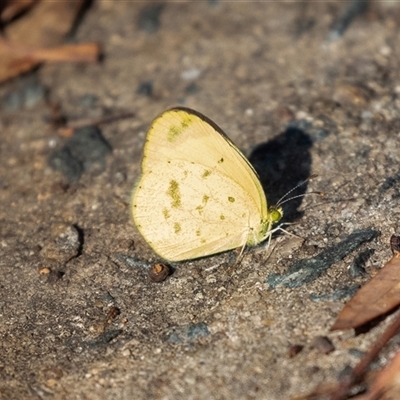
column 186, row 122
column 177, row 227
column 222, row 217
column 177, row 130
column 199, row 209
column 206, row 173
column 174, row 193
column 231, row 199
column 173, row 133
column 166, row 213
column 204, row 201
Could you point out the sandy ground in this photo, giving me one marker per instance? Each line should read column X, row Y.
column 79, row 317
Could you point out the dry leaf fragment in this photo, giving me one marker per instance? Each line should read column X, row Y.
column 377, row 297
column 83, row 52
column 342, row 388
column 387, row 384
column 35, row 36
column 9, row 9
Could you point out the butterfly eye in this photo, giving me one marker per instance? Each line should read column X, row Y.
column 276, row 214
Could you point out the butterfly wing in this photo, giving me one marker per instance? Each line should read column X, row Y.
column 198, row 195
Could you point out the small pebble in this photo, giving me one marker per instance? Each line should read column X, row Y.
column 97, row 328
column 187, row 333
column 44, row 271
column 85, row 148
column 323, row 344
column 113, row 313
column 351, row 94
column 159, row 272
column 295, row 349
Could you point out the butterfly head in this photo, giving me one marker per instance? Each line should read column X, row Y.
column 275, row 214
column 264, row 230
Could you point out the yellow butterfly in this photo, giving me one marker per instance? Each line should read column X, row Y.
column 198, row 195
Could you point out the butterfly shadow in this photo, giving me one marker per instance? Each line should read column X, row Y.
column 281, row 164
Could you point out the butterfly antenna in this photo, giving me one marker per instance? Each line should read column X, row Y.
column 282, row 199
column 299, row 195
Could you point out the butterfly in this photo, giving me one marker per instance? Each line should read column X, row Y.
column 198, row 194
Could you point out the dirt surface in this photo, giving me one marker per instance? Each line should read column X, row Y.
column 80, row 318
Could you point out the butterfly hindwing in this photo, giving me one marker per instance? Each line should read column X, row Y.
column 197, row 195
